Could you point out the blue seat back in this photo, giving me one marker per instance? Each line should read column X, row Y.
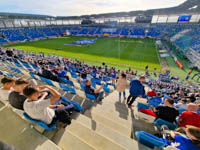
column 67, row 81
column 35, row 66
column 11, row 75
column 47, row 81
column 98, row 81
column 77, row 106
column 42, row 124
column 111, row 84
column 15, row 69
column 74, row 75
column 72, row 90
column 18, row 65
column 149, row 140
column 160, row 122
column 89, row 96
column 153, row 103
column 93, row 85
column 106, row 79
column 180, row 110
column 198, row 111
column 67, row 89
column 142, row 106
column 107, row 90
column 33, row 76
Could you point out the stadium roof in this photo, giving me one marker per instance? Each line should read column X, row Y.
column 20, row 15
column 188, row 7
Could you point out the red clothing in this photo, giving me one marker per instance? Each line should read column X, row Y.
column 151, row 93
column 148, row 112
column 189, row 118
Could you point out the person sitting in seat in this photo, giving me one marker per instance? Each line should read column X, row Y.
column 190, row 117
column 182, row 104
column 167, row 112
column 96, row 92
column 189, row 142
column 39, row 108
column 46, row 73
column 16, row 97
column 8, row 83
column 62, row 73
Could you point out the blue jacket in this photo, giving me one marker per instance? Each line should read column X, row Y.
column 136, row 88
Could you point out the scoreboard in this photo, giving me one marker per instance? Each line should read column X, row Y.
column 185, row 18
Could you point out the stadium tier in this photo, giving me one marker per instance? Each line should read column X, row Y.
column 104, row 122
column 189, row 39
column 110, row 81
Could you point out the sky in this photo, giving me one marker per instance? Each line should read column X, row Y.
column 81, row 7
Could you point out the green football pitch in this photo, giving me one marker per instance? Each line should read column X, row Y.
column 120, row 52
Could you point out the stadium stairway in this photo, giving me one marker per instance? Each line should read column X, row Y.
column 109, row 124
column 103, row 127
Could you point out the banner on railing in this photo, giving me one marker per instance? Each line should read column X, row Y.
column 178, row 62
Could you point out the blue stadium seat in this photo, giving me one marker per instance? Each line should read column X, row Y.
column 67, row 81
column 33, row 76
column 106, row 89
column 91, row 97
column 112, row 84
column 142, row 106
column 181, row 110
column 149, row 140
column 106, row 79
column 74, row 75
column 47, row 81
column 67, row 89
column 153, row 103
column 77, row 106
column 15, row 69
column 160, row 122
column 40, row 123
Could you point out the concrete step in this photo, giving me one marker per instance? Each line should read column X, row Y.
column 92, row 138
column 109, row 122
column 69, row 141
column 111, row 99
column 117, row 108
column 123, row 120
column 113, row 135
column 17, row 132
column 20, row 114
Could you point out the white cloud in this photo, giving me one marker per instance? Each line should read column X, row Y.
column 80, row 7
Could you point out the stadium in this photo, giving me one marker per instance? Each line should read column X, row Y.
column 106, row 81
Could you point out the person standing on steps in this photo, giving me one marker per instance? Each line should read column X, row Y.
column 136, row 90
column 121, row 85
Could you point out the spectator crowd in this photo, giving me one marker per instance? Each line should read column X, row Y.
column 171, row 102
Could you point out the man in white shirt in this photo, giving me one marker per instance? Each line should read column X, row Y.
column 39, row 108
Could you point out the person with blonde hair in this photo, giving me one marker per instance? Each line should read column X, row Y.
column 121, row 85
